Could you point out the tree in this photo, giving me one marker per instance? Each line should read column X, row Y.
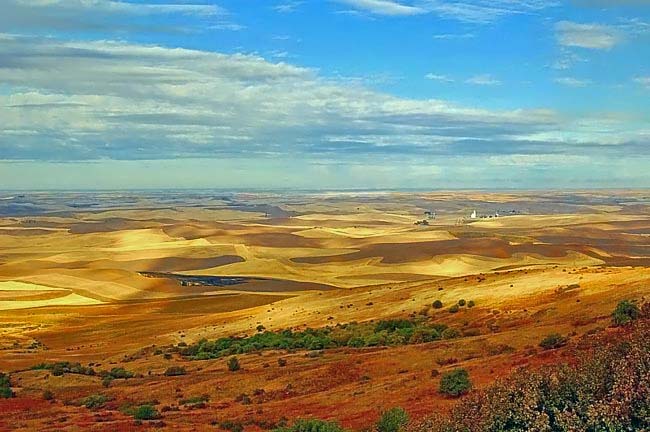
column 393, row 420
column 455, row 383
column 437, row 304
column 233, row 364
column 461, row 302
column 625, row 312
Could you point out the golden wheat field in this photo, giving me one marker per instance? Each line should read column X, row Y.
column 129, row 281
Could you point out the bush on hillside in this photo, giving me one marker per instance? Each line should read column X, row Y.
column 553, row 341
column 455, row 383
column 393, row 420
column 60, row 368
column 451, row 333
column 94, row 401
column 175, row 371
column 145, row 412
column 233, row 364
column 5, row 387
column 437, row 304
column 390, row 332
column 312, row 425
column 625, row 312
column 117, row 373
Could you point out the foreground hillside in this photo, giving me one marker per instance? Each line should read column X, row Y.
column 595, row 381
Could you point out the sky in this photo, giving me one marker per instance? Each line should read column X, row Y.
column 324, row 94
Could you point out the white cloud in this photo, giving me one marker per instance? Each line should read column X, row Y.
column 439, row 78
column 124, row 101
column 643, row 81
column 446, row 36
column 483, row 80
column 589, row 36
column 470, row 11
column 384, row 7
column 484, row 11
column 111, row 16
column 288, row 6
column 573, row 82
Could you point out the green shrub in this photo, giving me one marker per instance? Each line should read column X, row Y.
column 312, row 425
column 233, row 364
column 95, row 401
column 393, row 325
column 232, row 426
column 625, row 312
column 461, row 302
column 451, row 333
column 454, row 309
column 354, row 335
column 437, row 304
column 471, row 304
column 175, row 371
column 5, row 387
column 60, row 368
column 455, row 383
column 146, row 412
column 6, row 393
column 553, row 341
column 424, row 335
column 195, row 400
column 106, row 381
column 393, row 420
column 356, row 342
column 118, row 373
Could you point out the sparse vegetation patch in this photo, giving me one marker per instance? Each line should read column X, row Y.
column 353, row 335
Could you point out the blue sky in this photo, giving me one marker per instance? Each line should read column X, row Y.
column 324, row 94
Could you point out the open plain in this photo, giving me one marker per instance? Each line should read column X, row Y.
column 130, row 280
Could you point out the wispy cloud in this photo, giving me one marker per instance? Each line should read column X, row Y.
column 643, row 81
column 483, row 80
column 589, row 36
column 484, row 11
column 113, row 100
column 384, row 7
column 573, row 82
column 447, row 36
column 439, row 78
column 469, row 11
column 567, row 60
column 288, row 6
column 110, row 16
